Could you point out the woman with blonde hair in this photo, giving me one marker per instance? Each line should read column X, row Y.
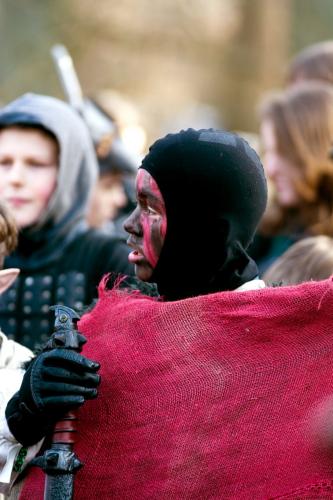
column 297, row 139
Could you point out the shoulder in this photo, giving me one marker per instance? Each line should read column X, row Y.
column 255, row 284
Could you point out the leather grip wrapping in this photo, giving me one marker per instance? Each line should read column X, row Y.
column 65, row 429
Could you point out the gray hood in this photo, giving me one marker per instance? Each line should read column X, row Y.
column 77, row 166
column 64, row 216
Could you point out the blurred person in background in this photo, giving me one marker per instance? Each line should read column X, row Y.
column 310, row 259
column 47, row 171
column 118, row 138
column 297, row 135
column 13, row 356
column 112, row 195
column 315, row 62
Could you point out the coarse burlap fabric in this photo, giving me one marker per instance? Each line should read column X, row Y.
column 212, row 397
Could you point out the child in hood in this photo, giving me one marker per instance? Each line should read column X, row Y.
column 47, row 171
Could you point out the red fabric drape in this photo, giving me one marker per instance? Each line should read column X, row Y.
column 205, row 398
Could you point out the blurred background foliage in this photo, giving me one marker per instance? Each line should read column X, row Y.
column 180, row 62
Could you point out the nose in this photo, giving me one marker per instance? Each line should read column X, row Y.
column 16, row 174
column 271, row 165
column 132, row 224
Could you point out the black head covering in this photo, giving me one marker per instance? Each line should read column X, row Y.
column 215, row 193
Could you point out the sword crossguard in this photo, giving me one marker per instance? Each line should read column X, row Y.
column 57, row 461
column 65, row 329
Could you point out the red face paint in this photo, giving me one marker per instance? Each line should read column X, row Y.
column 147, row 226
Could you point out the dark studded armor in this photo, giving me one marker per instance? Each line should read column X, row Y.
column 72, row 280
column 24, row 308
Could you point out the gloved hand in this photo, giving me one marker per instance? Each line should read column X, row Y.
column 56, row 381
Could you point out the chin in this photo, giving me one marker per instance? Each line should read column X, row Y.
column 143, row 273
column 24, row 224
column 288, row 202
column 25, row 220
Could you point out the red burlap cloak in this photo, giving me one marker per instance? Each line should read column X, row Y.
column 206, row 398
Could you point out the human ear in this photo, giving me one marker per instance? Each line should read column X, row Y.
column 7, row 277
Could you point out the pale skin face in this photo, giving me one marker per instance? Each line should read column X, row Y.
column 107, row 199
column 281, row 171
column 147, row 226
column 28, row 172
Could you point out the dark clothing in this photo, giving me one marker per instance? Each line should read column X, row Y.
column 265, row 250
column 71, row 280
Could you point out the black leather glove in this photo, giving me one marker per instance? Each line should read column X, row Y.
column 56, row 381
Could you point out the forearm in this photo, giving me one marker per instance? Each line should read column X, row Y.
column 13, row 456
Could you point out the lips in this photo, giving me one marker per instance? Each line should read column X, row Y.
column 16, row 201
column 135, row 257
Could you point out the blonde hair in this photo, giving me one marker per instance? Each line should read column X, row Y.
column 308, row 259
column 302, row 119
column 8, row 231
column 313, row 63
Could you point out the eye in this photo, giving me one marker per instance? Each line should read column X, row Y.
column 5, row 162
column 37, row 163
column 151, row 211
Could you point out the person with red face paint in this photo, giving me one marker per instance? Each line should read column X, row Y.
column 196, row 215
column 166, row 245
column 205, row 391
column 147, row 226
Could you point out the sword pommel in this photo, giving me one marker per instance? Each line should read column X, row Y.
column 64, row 332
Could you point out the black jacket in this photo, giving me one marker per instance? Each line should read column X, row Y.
column 71, row 280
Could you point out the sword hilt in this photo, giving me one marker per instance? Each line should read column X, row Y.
column 60, row 460
column 65, row 336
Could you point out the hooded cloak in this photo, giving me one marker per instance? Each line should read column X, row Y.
column 61, row 259
column 215, row 192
